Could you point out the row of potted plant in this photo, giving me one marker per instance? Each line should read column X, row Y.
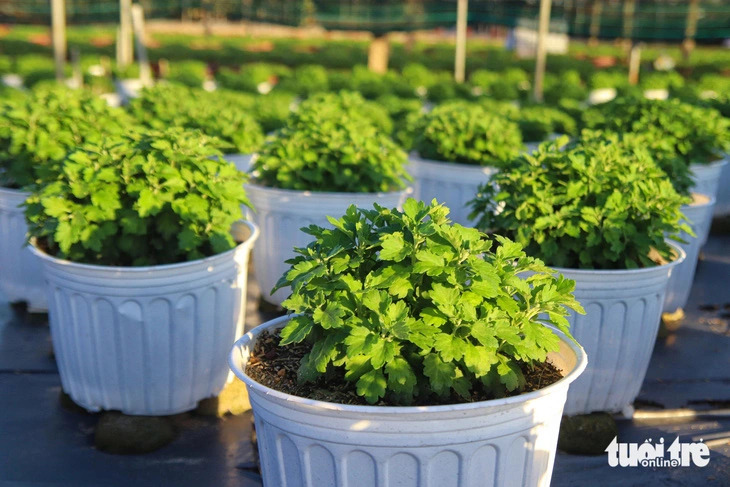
column 421, row 318
column 394, row 306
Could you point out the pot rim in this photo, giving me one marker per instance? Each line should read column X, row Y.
column 324, row 194
column 722, row 161
column 233, row 363
column 681, row 255
column 254, row 234
column 415, row 156
column 14, row 191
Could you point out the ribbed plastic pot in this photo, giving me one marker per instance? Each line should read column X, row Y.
column 21, row 273
column 706, row 177
column 680, row 283
column 601, row 95
column 722, row 203
column 241, row 161
column 450, row 183
column 281, row 213
column 618, row 331
column 147, row 340
column 503, row 442
column 533, row 146
column 657, row 94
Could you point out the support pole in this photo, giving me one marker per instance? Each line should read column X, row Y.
column 145, row 73
column 541, row 54
column 58, row 26
column 690, row 31
column 628, row 31
column 460, row 58
column 634, row 64
column 124, row 50
column 378, row 53
column 595, row 26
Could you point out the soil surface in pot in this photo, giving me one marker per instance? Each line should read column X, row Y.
column 276, row 367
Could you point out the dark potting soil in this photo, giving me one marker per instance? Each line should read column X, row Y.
column 276, row 367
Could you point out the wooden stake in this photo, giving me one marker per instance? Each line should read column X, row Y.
column 541, row 55
column 378, row 54
column 595, row 27
column 460, row 58
column 690, row 31
column 78, row 75
column 145, row 73
column 124, row 50
column 58, row 26
column 629, row 9
column 634, row 64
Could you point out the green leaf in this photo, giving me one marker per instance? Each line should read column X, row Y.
column 451, row 348
column 372, row 386
column 441, row 374
column 394, row 248
column 296, row 330
column 330, row 316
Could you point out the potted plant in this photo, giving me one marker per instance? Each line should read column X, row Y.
column 698, row 211
column 700, row 136
column 457, row 147
column 36, row 131
column 190, row 73
column 566, row 85
column 145, row 260
column 657, row 84
column 417, row 356
column 599, row 213
column 306, row 80
column 605, row 85
column 539, row 123
column 168, row 105
column 509, row 85
column 327, row 157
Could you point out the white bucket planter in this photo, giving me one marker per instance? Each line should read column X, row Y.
column 21, row 273
column 503, row 442
column 657, row 94
column 128, row 89
column 601, row 95
column 533, row 146
column 699, row 215
column 618, row 331
column 706, row 177
column 450, row 183
column 241, row 161
column 147, row 340
column 281, row 213
column 722, row 203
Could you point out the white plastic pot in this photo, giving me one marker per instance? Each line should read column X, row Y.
column 722, row 203
column 706, row 177
column 147, row 340
column 450, row 183
column 601, row 95
column 699, row 215
column 533, row 146
column 128, row 89
column 618, row 331
column 281, row 213
column 21, row 273
column 657, row 94
column 241, row 161
column 503, row 442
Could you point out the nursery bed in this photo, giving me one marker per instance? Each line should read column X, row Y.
column 42, row 444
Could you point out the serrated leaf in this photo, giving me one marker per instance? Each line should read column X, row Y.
column 372, row 386
column 296, row 330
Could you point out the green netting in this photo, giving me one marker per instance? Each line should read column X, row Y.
column 652, row 19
